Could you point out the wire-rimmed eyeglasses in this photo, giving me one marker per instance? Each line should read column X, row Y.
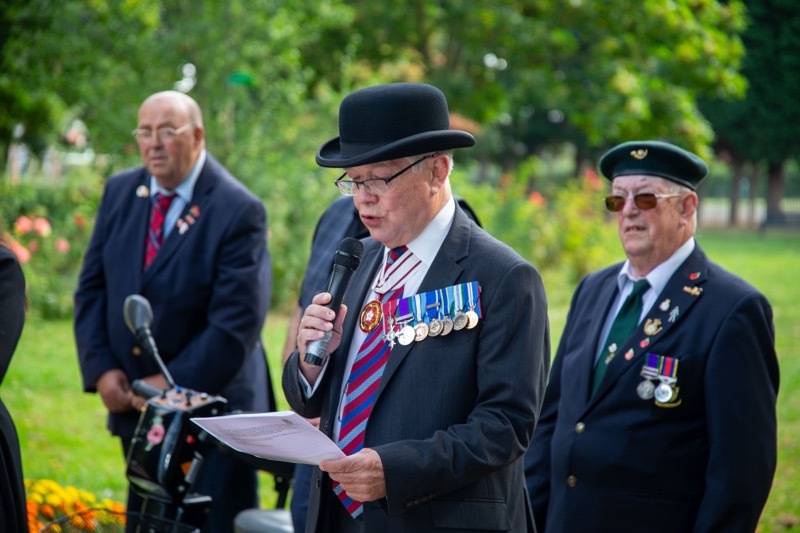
column 375, row 186
column 162, row 134
column 643, row 200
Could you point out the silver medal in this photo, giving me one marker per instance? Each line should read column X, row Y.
column 406, row 335
column 646, row 390
column 447, row 325
column 460, row 321
column 664, row 392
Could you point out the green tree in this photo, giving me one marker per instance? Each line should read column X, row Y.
column 616, row 70
column 764, row 127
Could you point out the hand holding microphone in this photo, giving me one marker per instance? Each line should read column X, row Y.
column 345, row 262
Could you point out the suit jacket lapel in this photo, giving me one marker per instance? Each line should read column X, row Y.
column 681, row 292
column 444, row 272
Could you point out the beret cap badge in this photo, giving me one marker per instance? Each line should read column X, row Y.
column 639, row 154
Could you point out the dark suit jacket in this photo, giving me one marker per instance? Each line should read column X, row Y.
column 703, row 463
column 209, row 288
column 13, row 516
column 453, row 414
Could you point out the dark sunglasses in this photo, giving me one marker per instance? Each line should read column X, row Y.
column 643, row 200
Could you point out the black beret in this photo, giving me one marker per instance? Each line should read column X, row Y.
column 654, row 158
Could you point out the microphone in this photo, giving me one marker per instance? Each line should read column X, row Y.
column 345, row 261
column 138, row 317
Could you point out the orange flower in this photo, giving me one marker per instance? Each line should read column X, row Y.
column 537, row 199
column 22, row 253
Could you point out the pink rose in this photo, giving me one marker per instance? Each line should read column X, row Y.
column 23, row 225
column 42, row 227
column 62, row 245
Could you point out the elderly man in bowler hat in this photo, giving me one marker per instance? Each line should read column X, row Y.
column 659, row 414
column 435, row 372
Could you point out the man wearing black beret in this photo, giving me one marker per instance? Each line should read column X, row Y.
column 659, row 415
column 435, row 371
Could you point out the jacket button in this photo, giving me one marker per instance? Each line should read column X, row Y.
column 572, row 481
column 580, row 427
column 136, row 351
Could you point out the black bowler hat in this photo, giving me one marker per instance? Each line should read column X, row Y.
column 654, row 158
column 389, row 122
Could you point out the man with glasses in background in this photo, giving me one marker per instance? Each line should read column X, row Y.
column 659, row 414
column 433, row 377
column 185, row 234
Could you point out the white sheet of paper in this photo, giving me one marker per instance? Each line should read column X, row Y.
column 279, row 435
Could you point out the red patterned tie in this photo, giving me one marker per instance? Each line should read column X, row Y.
column 155, row 235
column 362, row 386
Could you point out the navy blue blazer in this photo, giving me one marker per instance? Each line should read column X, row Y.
column 703, row 462
column 453, row 414
column 209, row 287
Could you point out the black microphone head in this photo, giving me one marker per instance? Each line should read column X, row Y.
column 348, row 254
column 137, row 312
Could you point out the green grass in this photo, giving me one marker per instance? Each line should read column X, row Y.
column 63, row 434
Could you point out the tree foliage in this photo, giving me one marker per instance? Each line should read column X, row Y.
column 764, row 127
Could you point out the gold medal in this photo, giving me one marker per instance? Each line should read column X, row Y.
column 421, row 331
column 370, row 316
column 472, row 319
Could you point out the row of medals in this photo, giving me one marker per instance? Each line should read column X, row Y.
column 423, row 330
column 664, row 392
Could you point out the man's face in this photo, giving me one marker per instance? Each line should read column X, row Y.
column 168, row 159
column 650, row 236
column 397, row 215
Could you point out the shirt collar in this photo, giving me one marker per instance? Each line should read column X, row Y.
column 659, row 276
column 427, row 243
column 186, row 188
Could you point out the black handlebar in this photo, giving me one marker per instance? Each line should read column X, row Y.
column 144, row 390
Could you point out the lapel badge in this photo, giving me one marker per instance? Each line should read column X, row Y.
column 645, row 343
column 182, row 226
column 629, row 354
column 652, row 327
column 694, row 291
column 694, row 275
column 664, row 306
column 190, row 219
column 639, row 154
column 673, row 315
column 142, row 191
column 194, row 211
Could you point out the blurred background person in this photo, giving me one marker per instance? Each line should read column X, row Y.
column 13, row 511
column 185, row 234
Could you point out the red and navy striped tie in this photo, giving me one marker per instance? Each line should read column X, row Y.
column 362, row 386
column 155, row 234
